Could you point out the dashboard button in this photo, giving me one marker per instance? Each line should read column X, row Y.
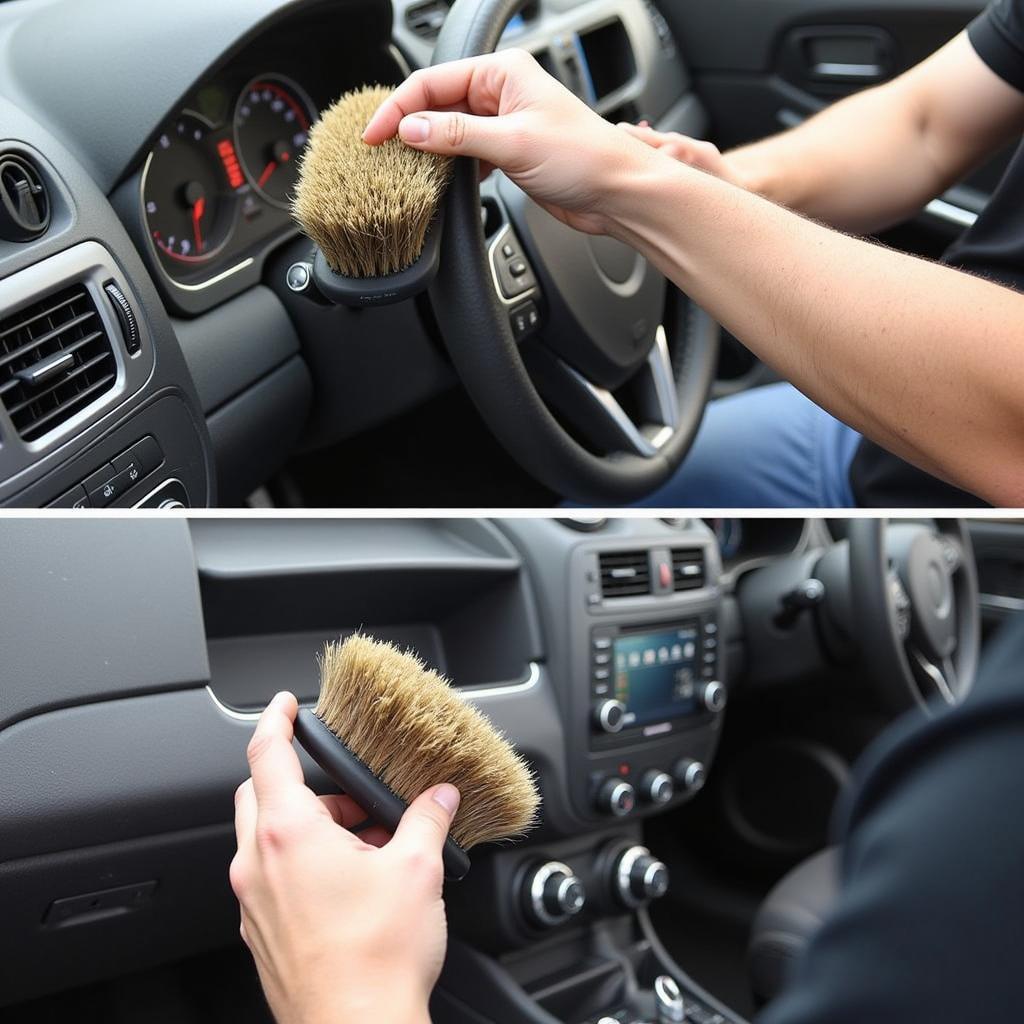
column 112, row 488
column 602, row 658
column 602, row 643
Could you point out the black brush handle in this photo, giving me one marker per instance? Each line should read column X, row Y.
column 372, row 794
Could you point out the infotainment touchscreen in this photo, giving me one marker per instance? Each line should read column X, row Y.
column 656, row 674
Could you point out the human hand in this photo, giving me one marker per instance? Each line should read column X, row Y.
column 705, row 156
column 342, row 927
column 505, row 110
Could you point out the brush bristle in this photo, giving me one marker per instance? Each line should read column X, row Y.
column 412, row 730
column 367, row 207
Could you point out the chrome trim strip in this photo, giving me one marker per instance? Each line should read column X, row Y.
column 951, row 214
column 483, row 692
column 838, row 69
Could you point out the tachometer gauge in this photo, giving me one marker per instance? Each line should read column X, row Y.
column 272, row 119
column 190, row 209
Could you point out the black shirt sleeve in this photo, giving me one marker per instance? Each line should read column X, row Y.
column 997, row 34
column 928, row 924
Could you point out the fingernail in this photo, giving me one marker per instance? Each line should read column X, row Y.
column 448, row 797
column 414, row 129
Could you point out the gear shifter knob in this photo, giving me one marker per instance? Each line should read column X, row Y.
column 668, row 998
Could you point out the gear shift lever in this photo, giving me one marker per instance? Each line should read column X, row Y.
column 669, row 1000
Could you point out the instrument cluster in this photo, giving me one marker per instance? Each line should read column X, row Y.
column 217, row 184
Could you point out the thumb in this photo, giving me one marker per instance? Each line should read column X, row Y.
column 426, row 822
column 454, row 133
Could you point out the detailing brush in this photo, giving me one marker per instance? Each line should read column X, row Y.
column 373, row 211
column 386, row 728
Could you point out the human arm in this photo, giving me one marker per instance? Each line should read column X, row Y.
column 341, row 927
column 878, row 156
column 923, row 359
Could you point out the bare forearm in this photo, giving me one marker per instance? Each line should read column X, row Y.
column 860, row 165
column 923, row 359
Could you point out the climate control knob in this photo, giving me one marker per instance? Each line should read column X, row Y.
column 552, row 894
column 638, row 877
column 690, row 774
column 713, row 696
column 657, row 787
column 616, row 797
column 609, row 715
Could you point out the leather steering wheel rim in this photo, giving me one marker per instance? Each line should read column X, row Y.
column 899, row 671
column 486, row 357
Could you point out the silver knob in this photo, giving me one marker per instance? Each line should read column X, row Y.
column 554, row 894
column 609, row 715
column 657, row 787
column 171, row 503
column 690, row 774
column 616, row 797
column 714, row 696
column 638, row 877
column 668, row 998
column 299, row 276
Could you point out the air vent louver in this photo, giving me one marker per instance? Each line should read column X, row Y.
column 24, row 200
column 687, row 568
column 55, row 358
column 625, row 573
column 425, row 20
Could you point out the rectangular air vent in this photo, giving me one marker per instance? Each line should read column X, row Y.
column 687, row 568
column 625, row 573
column 55, row 358
column 425, row 19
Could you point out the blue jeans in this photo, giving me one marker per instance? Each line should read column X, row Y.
column 769, row 447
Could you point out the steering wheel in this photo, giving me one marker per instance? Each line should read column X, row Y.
column 589, row 369
column 914, row 593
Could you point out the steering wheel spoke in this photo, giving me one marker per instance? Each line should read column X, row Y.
column 600, row 415
column 936, row 678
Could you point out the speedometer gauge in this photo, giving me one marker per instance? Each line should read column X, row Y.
column 189, row 212
column 272, row 119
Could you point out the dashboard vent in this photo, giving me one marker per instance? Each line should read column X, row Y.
column 687, row 568
column 55, row 358
column 625, row 573
column 425, row 20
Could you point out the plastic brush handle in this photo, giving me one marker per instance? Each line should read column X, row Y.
column 372, row 794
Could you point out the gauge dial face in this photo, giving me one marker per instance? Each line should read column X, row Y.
column 272, row 119
column 190, row 209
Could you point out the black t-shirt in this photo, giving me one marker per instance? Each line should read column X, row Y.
column 929, row 923
column 992, row 247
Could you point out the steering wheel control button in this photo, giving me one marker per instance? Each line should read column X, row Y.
column 690, row 774
column 609, row 715
column 524, row 319
column 638, row 877
column 75, row 498
column 513, row 273
column 553, row 894
column 657, row 787
column 714, row 696
column 126, row 315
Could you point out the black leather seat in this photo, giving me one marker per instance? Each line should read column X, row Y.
column 790, row 914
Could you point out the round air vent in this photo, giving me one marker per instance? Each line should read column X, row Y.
column 24, row 200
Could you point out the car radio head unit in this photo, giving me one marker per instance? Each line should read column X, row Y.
column 655, row 674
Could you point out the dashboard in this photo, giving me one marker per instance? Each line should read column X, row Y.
column 538, row 626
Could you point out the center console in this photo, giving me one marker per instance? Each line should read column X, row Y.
column 634, row 610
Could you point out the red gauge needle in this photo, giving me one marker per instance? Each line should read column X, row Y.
column 198, row 209
column 267, row 172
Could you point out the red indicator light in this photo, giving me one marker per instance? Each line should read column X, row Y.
column 226, row 151
column 624, row 768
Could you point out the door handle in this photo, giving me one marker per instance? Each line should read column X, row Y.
column 846, row 72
